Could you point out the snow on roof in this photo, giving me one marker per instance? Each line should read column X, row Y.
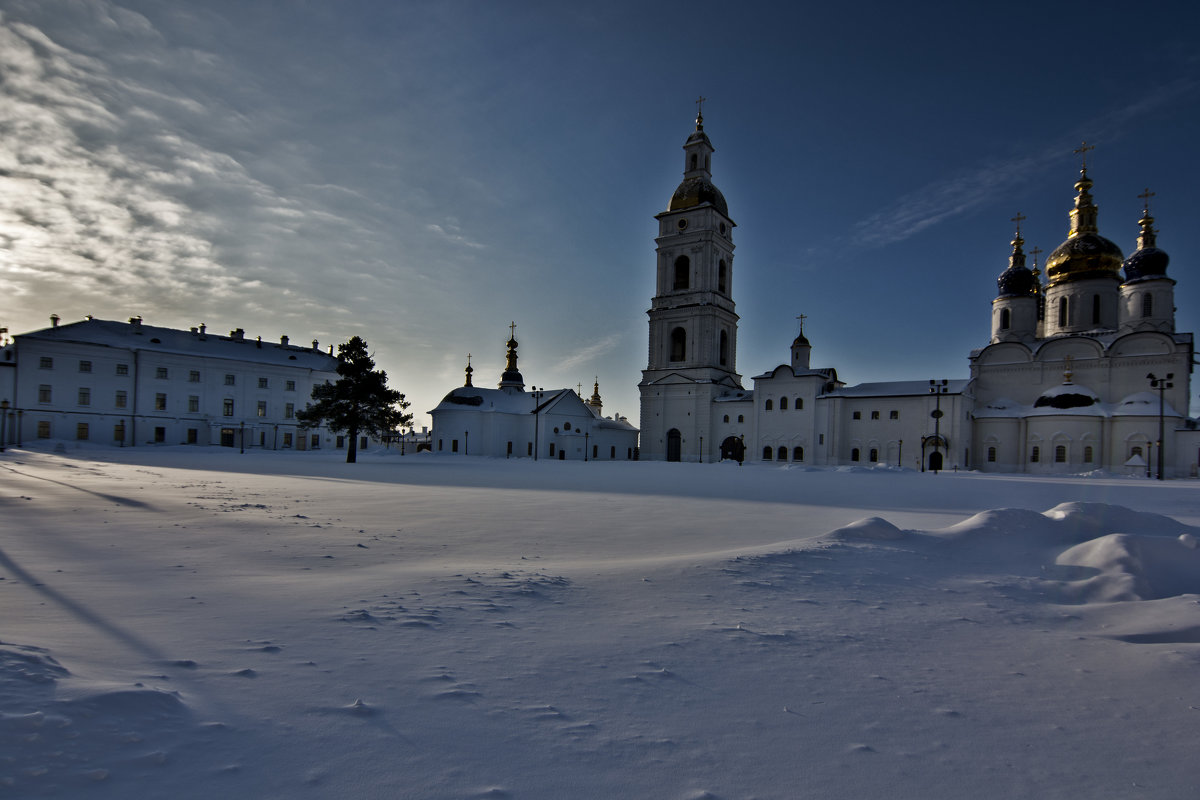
column 894, row 389
column 139, row 336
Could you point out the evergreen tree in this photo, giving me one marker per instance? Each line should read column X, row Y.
column 360, row 401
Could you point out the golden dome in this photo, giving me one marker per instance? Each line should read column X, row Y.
column 1085, row 253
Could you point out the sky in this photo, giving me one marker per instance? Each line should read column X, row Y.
column 425, row 174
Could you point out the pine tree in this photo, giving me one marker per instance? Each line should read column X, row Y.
column 360, row 401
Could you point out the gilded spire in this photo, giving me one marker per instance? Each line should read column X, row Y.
column 700, row 112
column 1017, row 259
column 595, row 398
column 470, row 369
column 1083, row 215
column 1146, row 238
column 511, row 378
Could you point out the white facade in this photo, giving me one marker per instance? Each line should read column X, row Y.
column 131, row 384
column 1062, row 386
column 509, row 422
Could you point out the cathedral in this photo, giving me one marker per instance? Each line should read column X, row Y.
column 1083, row 371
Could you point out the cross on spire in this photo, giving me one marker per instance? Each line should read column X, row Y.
column 802, row 317
column 1145, row 198
column 1035, row 252
column 512, row 328
column 700, row 110
column 1019, row 218
column 1082, row 152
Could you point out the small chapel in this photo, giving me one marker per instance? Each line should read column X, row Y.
column 510, row 422
column 1084, row 371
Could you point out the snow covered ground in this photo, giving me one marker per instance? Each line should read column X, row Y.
column 195, row 623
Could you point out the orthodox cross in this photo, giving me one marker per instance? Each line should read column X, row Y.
column 1145, row 197
column 579, row 389
column 802, row 317
column 1082, row 152
column 1019, row 218
column 1035, row 251
column 512, row 330
column 700, row 109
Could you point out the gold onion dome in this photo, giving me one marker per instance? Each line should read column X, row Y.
column 1085, row 254
column 697, row 191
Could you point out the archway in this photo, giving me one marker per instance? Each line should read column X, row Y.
column 674, row 445
column 935, row 460
column 733, row 448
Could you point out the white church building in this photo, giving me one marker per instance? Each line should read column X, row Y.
column 1070, row 382
column 510, row 422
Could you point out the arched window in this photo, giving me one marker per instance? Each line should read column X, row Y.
column 797, row 454
column 683, row 270
column 1060, row 454
column 1005, row 319
column 723, row 348
column 722, row 277
column 991, row 455
column 854, row 454
column 783, row 454
column 727, row 418
column 767, row 453
column 1062, row 312
column 1035, row 454
column 741, row 418
column 1135, row 451
column 693, row 160
column 874, row 456
column 1087, row 454
column 769, row 405
column 799, row 403
column 678, row 344
column 783, row 404
column 1095, row 309
column 1147, row 305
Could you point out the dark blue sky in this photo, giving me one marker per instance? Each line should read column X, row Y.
column 423, row 173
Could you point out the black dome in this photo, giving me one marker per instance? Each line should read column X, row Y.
column 1147, row 262
column 1016, row 282
column 697, row 191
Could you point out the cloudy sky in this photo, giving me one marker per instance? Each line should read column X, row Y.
column 424, row 173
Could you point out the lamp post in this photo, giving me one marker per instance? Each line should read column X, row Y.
column 19, row 427
column 466, row 443
column 937, row 389
column 537, row 407
column 1160, row 385
column 3, row 420
column 900, row 454
column 242, row 439
column 586, row 436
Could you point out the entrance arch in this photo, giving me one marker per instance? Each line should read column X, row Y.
column 674, row 445
column 935, row 461
column 733, row 448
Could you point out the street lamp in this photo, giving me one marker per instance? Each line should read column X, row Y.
column 537, row 407
column 937, row 389
column 1160, row 385
column 586, row 436
column 3, row 419
column 243, row 439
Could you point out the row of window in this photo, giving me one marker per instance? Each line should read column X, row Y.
column 163, row 373
column 679, row 346
column 782, row 453
column 83, row 433
column 121, row 400
column 893, row 414
column 683, row 275
column 783, row 404
column 741, row 418
column 552, row 450
column 1060, row 454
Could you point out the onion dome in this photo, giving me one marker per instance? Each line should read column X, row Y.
column 1017, row 280
column 1067, row 395
column 1085, row 253
column 511, row 378
column 1147, row 261
column 695, row 192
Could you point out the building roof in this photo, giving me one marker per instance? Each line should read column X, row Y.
column 135, row 335
column 895, row 389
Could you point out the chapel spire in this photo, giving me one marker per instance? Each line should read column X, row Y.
column 511, row 377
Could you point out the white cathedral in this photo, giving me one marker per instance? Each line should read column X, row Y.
column 1084, row 372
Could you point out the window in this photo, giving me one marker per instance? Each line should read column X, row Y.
column 43, row 429
column 230, row 380
column 529, row 448
column 797, row 454
column 193, row 403
column 160, row 435
column 552, row 449
column 315, row 441
column 160, row 402
column 1005, row 319
column 287, row 440
column 262, row 383
column 290, row 386
column 783, row 454
column 227, row 407
column 820, row 438
column 854, row 454
column 595, row 451
column 856, row 415
column 991, row 455
column 722, row 277
column 874, row 456
column 1147, row 305
column 767, row 453
column 193, row 435
column 769, row 405
column 81, row 431
column 289, row 411
column 1035, row 454
column 1095, row 309
column 1060, row 454
column 85, row 366
column 783, row 404
column 160, row 373
column 1087, row 454
column 723, row 349
column 85, row 396
column 341, row 442
column 741, row 418
column 893, row 414
column 874, row 415
column 262, row 408
column 122, row 369
column 1135, row 451
column 1062, row 311
column 46, row 362
column 612, row 452
column 44, row 393
column 678, row 344
column 726, row 418
column 121, row 399
column 194, row 376
column 799, row 404
column 454, row 447
column 683, row 268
